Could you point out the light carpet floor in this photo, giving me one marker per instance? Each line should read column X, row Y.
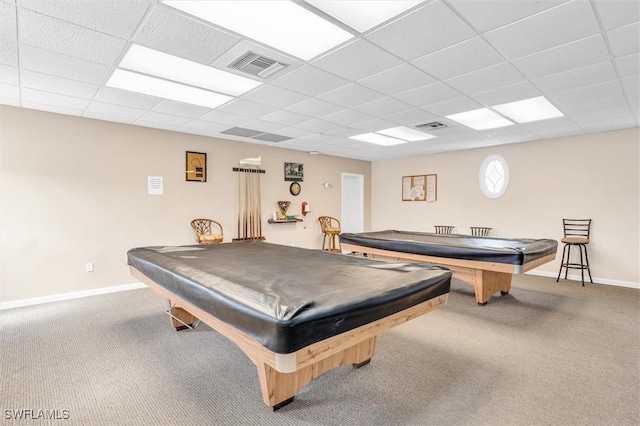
column 546, row 354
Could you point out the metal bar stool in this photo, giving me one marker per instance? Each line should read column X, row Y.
column 480, row 231
column 576, row 233
column 444, row 229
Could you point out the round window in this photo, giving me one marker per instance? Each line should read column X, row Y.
column 494, row 176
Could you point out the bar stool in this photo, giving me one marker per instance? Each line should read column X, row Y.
column 330, row 229
column 444, row 229
column 480, row 231
column 576, row 233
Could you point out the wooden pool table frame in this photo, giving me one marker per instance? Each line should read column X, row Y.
column 487, row 278
column 283, row 375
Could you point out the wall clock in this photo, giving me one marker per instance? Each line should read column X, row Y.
column 294, row 188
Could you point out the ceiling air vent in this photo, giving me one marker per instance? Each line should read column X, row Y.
column 257, row 65
column 432, row 125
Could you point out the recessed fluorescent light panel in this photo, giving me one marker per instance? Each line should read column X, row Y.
column 406, row 134
column 480, row 119
column 158, row 64
column 280, row 24
column 377, row 139
column 140, row 83
column 393, row 136
column 363, row 15
column 527, row 110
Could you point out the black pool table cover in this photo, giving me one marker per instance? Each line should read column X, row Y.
column 513, row 251
column 284, row 297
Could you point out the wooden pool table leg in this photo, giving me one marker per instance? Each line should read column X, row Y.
column 278, row 389
column 181, row 315
column 489, row 282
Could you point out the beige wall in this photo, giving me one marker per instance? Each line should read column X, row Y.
column 74, row 191
column 592, row 176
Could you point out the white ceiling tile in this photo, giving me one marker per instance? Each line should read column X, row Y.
column 155, row 125
column 276, row 97
column 503, row 95
column 618, row 13
column 427, row 95
column 51, row 108
column 125, row 98
column 384, row 106
column 593, row 124
column 8, row 21
column 225, row 118
column 46, row 62
column 9, row 75
column 287, row 118
column 293, row 132
column 344, row 132
column 631, row 87
column 364, row 59
column 169, row 31
column 9, row 92
column 316, row 125
column 553, row 27
column 423, row 31
column 47, row 98
column 167, row 119
column 597, row 99
column 553, row 128
column 309, row 81
column 469, row 55
column 628, row 65
column 412, row 117
column 72, row 40
column 453, row 106
column 109, row 118
column 588, row 51
column 263, row 126
column 397, row 79
column 202, row 128
column 8, row 52
column 625, row 40
column 314, row 108
column 347, row 117
column 351, row 95
column 119, row 19
column 53, row 84
column 97, row 108
column 585, row 76
column 248, row 109
column 181, row 109
column 374, row 125
column 488, row 15
column 487, row 79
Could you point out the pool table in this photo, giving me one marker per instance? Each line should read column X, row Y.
column 487, row 263
column 295, row 313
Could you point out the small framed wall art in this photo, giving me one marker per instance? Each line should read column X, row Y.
column 293, row 172
column 196, row 166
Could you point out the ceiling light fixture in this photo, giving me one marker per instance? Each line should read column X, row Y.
column 377, row 139
column 527, row 110
column 283, row 25
column 158, row 64
column 363, row 15
column 406, row 134
column 140, row 83
column 480, row 119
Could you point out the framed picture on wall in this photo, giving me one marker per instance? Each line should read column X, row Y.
column 293, row 172
column 196, row 166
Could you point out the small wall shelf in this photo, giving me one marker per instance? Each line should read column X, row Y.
column 284, row 220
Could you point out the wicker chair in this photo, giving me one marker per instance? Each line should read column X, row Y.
column 444, row 229
column 206, row 231
column 480, row 231
column 331, row 229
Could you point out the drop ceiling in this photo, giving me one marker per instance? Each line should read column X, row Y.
column 435, row 59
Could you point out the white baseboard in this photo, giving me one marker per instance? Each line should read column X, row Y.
column 67, row 296
column 595, row 280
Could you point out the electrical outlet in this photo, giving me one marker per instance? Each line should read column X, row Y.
column 89, row 267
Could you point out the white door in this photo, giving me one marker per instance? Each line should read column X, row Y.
column 352, row 203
